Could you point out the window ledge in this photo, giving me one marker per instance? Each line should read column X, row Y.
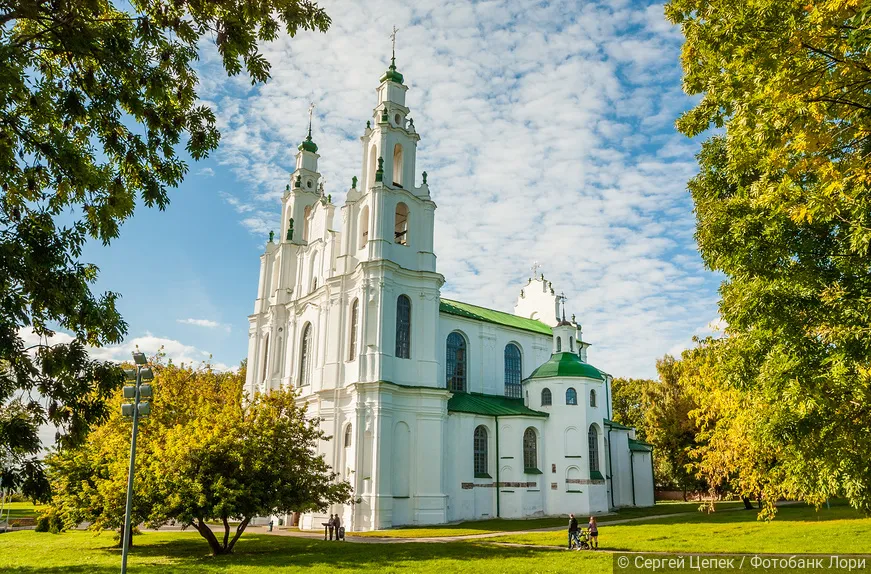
column 573, row 456
column 532, row 471
column 482, row 475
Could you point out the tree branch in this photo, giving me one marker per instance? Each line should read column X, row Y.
column 239, row 530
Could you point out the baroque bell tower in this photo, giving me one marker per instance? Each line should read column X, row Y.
column 387, row 241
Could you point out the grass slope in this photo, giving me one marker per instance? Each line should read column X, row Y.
column 28, row 552
column 21, row 510
column 797, row 529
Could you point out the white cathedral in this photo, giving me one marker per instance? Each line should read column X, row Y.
column 438, row 410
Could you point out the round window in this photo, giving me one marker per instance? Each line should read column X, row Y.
column 308, row 184
column 397, row 118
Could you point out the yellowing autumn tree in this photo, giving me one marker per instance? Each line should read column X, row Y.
column 783, row 207
column 204, row 455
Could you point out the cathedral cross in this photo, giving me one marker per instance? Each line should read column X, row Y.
column 535, row 267
column 393, row 39
column 562, row 299
column 311, row 109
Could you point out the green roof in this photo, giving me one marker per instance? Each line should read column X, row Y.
column 490, row 405
column 391, row 73
column 566, row 365
column 490, row 316
column 614, row 425
column 308, row 145
column 640, row 445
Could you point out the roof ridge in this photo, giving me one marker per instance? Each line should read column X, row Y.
column 487, row 309
column 477, row 312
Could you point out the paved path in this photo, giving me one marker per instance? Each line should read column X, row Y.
column 392, row 540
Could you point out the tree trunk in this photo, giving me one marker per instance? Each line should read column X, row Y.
column 226, row 531
column 121, row 538
column 207, row 533
column 747, row 504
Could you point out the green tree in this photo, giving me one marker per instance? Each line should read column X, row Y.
column 669, row 427
column 205, row 454
column 628, row 406
column 95, row 101
column 783, row 209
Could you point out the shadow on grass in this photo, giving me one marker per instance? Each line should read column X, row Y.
column 188, row 554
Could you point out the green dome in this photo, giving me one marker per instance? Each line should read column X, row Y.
column 308, row 145
column 566, row 365
column 391, row 73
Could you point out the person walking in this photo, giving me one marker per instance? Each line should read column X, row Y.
column 331, row 524
column 337, row 523
column 594, row 533
column 573, row 531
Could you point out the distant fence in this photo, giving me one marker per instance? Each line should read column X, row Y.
column 678, row 495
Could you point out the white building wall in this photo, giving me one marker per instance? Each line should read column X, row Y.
column 643, row 469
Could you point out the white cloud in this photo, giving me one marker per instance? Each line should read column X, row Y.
column 547, row 133
column 209, row 324
column 148, row 343
column 206, row 172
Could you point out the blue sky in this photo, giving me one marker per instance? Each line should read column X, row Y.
column 547, row 133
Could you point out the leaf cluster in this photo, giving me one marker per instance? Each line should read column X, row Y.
column 207, row 453
column 96, row 100
column 783, row 209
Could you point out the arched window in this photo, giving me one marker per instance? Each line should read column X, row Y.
column 265, row 358
column 352, row 339
column 455, row 363
column 571, row 344
column 481, row 452
column 397, row 165
column 593, row 398
column 348, row 437
column 546, row 399
column 400, row 229
column 305, row 221
column 559, row 345
column 530, row 450
column 373, row 164
column 403, row 327
column 571, row 396
column 305, row 353
column 364, row 226
column 594, row 449
column 513, row 371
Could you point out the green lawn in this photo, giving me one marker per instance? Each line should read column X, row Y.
column 21, row 510
column 29, row 552
column 505, row 525
column 797, row 529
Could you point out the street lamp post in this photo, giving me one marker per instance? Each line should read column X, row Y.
column 135, row 392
